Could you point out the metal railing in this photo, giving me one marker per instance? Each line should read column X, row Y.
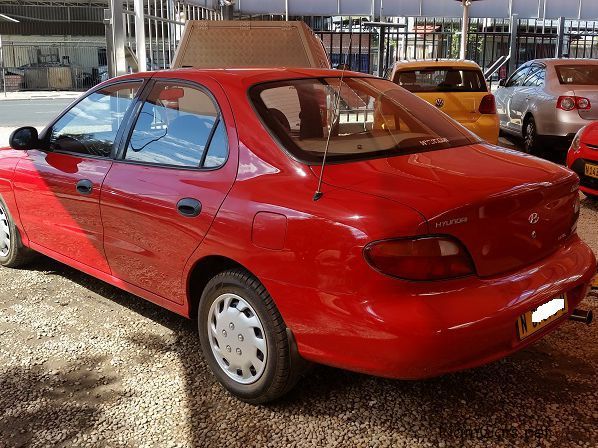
column 144, row 34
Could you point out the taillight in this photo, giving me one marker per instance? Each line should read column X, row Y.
column 573, row 102
column 420, row 258
column 488, row 105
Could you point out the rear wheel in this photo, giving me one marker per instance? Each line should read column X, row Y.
column 244, row 338
column 530, row 136
column 12, row 252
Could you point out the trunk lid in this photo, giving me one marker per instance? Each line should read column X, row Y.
column 508, row 209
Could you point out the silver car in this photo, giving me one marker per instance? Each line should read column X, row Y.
column 548, row 98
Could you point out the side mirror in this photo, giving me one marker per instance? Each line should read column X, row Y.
column 24, row 138
column 502, row 82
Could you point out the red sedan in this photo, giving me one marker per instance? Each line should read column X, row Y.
column 583, row 159
column 302, row 216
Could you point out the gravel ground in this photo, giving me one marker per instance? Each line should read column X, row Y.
column 84, row 364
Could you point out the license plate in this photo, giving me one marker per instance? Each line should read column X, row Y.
column 535, row 320
column 591, row 170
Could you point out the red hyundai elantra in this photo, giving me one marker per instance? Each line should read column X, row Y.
column 583, row 159
column 303, row 216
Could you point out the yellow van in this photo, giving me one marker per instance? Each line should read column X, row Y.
column 457, row 88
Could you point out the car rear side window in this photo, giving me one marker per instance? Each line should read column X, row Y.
column 90, row 127
column 178, row 125
column 581, row 75
column 441, row 79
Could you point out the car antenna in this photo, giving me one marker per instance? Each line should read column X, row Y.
column 318, row 194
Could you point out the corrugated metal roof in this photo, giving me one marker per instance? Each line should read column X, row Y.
column 570, row 9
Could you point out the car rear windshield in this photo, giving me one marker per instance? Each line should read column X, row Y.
column 440, row 79
column 583, row 75
column 360, row 118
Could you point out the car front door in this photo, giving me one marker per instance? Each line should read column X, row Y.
column 505, row 97
column 524, row 95
column 167, row 184
column 57, row 187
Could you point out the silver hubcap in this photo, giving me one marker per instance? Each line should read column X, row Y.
column 4, row 233
column 237, row 338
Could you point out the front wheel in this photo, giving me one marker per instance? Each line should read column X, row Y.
column 244, row 338
column 12, row 252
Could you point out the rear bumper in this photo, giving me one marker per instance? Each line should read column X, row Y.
column 486, row 127
column 565, row 124
column 415, row 330
column 587, row 184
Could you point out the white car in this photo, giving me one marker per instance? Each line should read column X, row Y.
column 548, row 98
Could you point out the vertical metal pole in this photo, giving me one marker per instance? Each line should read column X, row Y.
column 381, row 45
column 464, row 29
column 118, row 37
column 109, row 43
column 140, row 35
column 560, row 38
column 227, row 11
column 2, row 62
column 513, row 43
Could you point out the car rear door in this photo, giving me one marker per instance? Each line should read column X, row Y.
column 57, row 187
column 459, row 94
column 166, row 185
column 457, row 91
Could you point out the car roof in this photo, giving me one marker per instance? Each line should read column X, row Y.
column 421, row 63
column 564, row 61
column 248, row 75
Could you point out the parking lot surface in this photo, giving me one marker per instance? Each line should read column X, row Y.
column 85, row 364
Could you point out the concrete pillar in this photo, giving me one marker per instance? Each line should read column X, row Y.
column 117, row 34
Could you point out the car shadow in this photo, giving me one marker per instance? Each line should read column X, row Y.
column 519, row 401
column 52, row 405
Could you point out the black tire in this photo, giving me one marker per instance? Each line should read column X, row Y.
column 531, row 139
column 17, row 254
column 592, row 197
column 282, row 366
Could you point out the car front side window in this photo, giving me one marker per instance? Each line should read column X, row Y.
column 517, row 78
column 89, row 128
column 178, row 125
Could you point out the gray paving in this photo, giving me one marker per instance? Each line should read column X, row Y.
column 34, row 112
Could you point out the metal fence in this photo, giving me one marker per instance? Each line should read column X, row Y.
column 162, row 22
column 353, row 40
column 356, row 41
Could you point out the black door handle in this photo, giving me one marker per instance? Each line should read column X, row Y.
column 84, row 186
column 189, row 207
